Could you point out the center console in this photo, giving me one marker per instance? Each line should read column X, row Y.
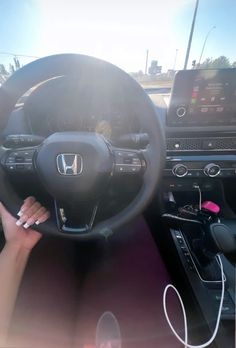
column 200, row 126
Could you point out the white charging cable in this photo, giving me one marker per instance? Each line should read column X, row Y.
column 185, row 341
column 200, row 196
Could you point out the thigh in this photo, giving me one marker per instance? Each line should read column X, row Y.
column 45, row 311
column 129, row 281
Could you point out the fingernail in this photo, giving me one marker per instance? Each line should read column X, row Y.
column 19, row 222
column 26, row 225
column 20, row 213
column 37, row 222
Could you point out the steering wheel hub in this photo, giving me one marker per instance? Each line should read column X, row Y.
column 75, row 165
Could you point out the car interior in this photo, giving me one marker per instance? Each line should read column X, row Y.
column 141, row 194
column 138, row 171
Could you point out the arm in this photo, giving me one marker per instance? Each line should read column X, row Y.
column 12, row 264
column 13, row 258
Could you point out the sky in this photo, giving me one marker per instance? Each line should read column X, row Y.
column 119, row 31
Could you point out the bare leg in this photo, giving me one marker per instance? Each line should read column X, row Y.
column 46, row 307
column 129, row 283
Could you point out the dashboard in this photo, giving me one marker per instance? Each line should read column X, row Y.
column 199, row 118
column 200, row 128
column 67, row 104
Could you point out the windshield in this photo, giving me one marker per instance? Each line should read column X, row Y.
column 147, row 39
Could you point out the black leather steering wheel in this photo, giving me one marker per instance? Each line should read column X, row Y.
column 82, row 162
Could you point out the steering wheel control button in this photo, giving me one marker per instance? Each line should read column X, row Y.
column 127, row 162
column 20, row 161
column 119, row 168
column 11, row 167
column 212, row 170
column 20, row 166
column 180, row 170
column 28, row 167
column 10, row 160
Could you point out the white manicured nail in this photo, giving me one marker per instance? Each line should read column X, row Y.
column 20, row 213
column 26, row 225
column 19, row 222
column 37, row 222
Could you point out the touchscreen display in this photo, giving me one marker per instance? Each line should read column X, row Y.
column 203, row 98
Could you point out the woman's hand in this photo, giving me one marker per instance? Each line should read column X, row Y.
column 18, row 232
column 20, row 239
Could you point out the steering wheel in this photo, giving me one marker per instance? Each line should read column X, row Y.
column 81, row 163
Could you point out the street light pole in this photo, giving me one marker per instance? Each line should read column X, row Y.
column 191, row 35
column 176, row 54
column 146, row 64
column 204, row 44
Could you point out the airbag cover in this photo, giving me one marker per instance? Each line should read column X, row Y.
column 74, row 164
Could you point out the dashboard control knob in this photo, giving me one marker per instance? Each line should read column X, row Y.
column 212, row 170
column 181, row 111
column 180, row 170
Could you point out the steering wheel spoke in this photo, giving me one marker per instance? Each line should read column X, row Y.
column 80, row 219
column 19, row 160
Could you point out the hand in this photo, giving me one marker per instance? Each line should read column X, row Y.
column 18, row 232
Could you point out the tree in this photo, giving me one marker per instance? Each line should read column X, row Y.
column 11, row 68
column 14, row 66
column 3, row 70
column 3, row 73
column 17, row 63
column 207, row 64
column 221, row 62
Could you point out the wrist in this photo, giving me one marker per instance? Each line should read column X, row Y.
column 15, row 249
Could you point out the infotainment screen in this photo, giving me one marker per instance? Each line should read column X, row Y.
column 203, row 98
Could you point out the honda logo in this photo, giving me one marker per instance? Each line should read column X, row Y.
column 69, row 164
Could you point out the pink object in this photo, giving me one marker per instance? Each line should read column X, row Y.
column 211, row 207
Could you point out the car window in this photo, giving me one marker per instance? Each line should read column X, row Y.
column 145, row 38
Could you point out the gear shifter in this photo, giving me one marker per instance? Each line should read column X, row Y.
column 222, row 238
column 205, row 235
column 213, row 236
column 219, row 237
